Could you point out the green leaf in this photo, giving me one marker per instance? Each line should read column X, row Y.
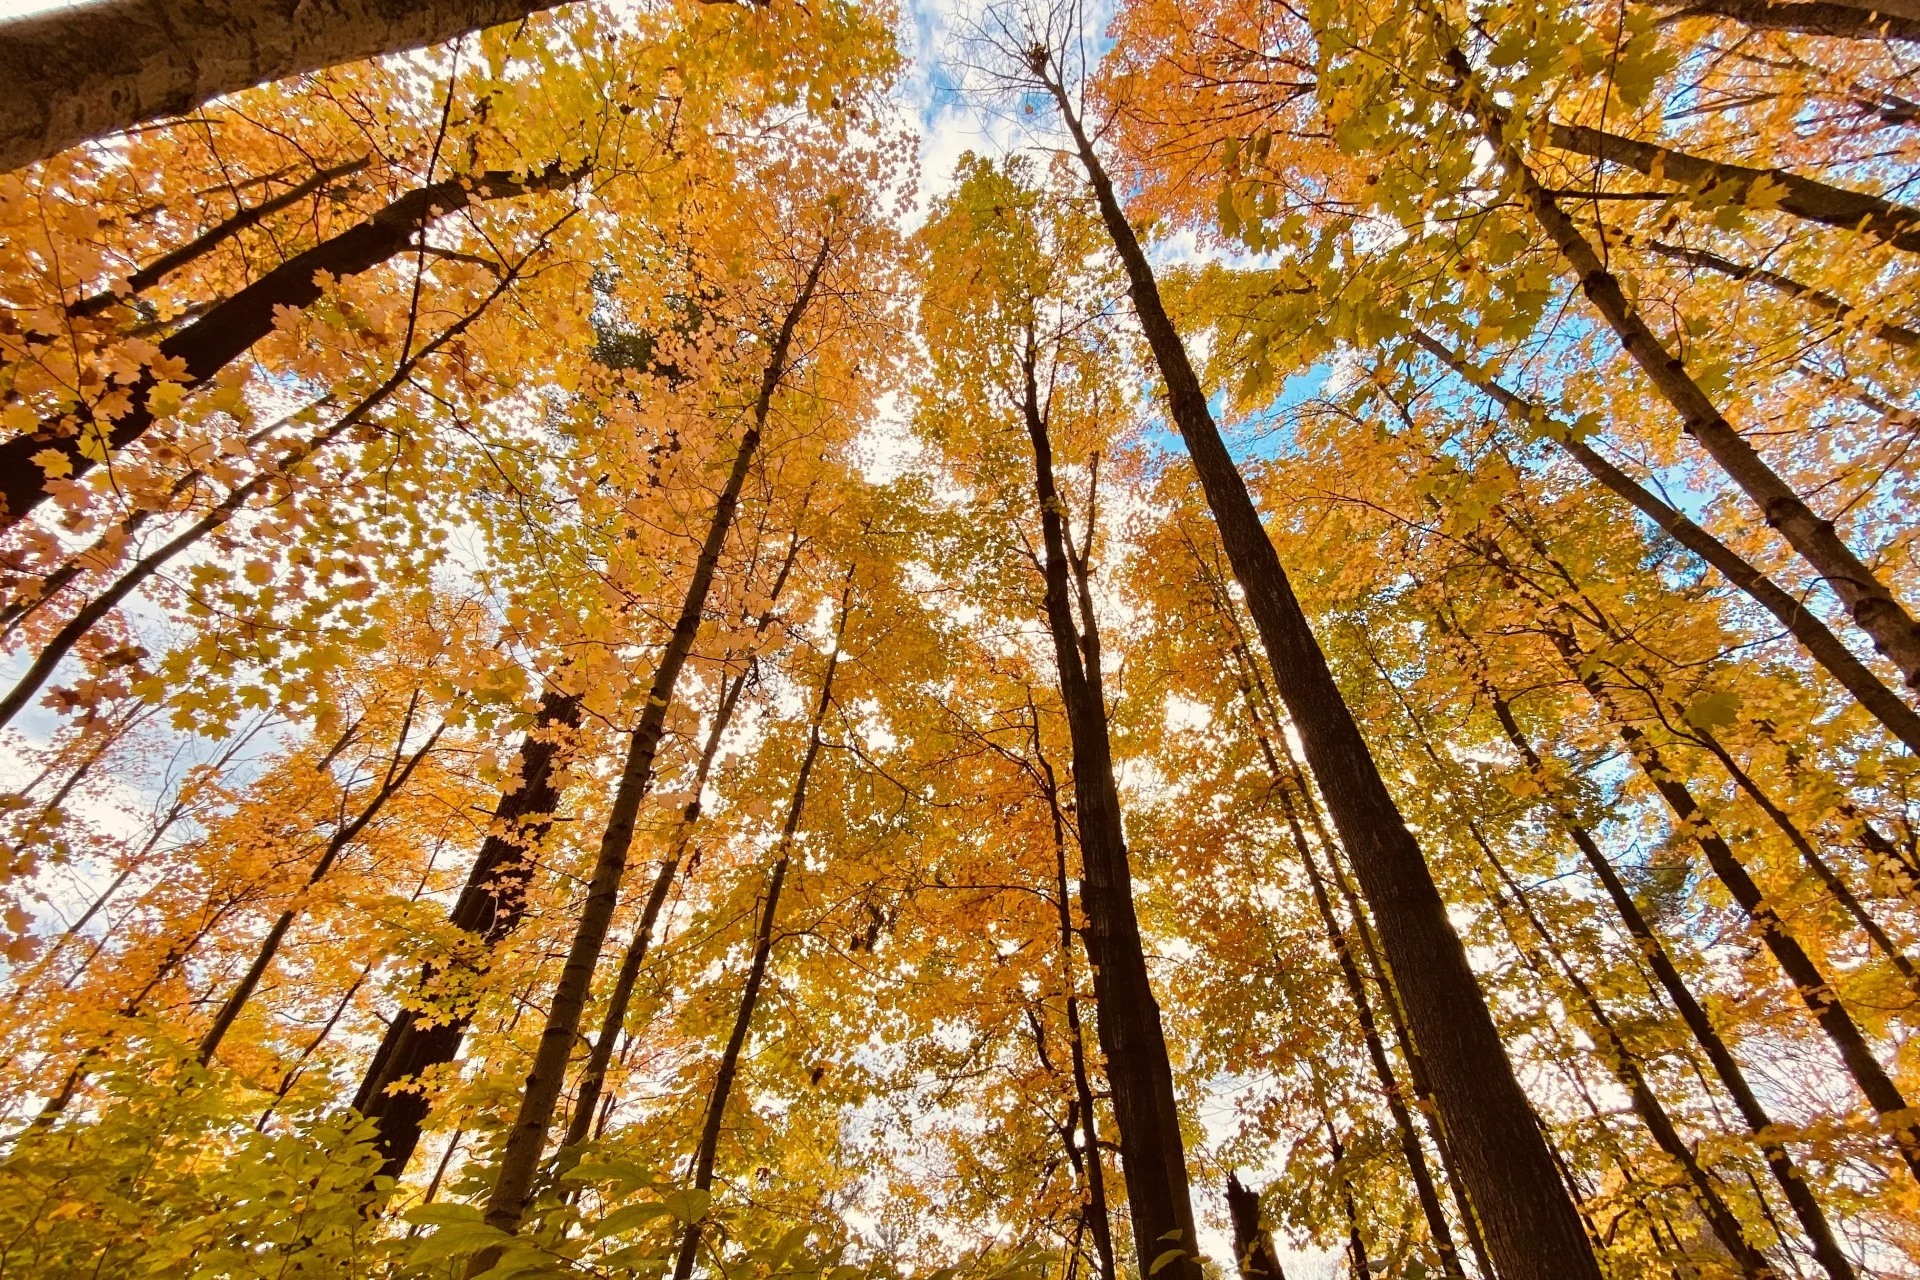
column 1229, row 216
column 1165, row 1258
column 626, row 1218
column 688, row 1204
column 1713, row 708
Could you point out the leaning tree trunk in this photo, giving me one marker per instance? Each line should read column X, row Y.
column 1726, row 1225
column 1897, row 224
column 1819, row 995
column 76, row 73
column 1825, row 648
column 396, row 778
column 490, row 907
column 1127, row 1018
column 520, row 1157
column 210, row 343
column 1806, row 1207
column 1840, row 19
column 729, row 1070
column 593, row 1079
column 1533, row 1228
column 1867, row 599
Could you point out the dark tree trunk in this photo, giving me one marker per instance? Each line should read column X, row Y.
column 1835, row 18
column 76, row 73
column 1822, row 869
column 526, row 1140
column 1252, row 1244
column 1867, row 599
column 490, row 907
column 1098, row 1216
column 213, row 237
column 723, row 1079
column 1825, row 648
column 1260, row 707
column 1410, row 1149
column 1532, row 1227
column 1821, row 999
column 593, row 1079
column 1726, row 1067
column 1127, row 1018
column 1626, row 1067
column 1897, row 224
column 210, row 343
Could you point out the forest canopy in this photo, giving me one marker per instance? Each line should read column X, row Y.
column 1007, row 640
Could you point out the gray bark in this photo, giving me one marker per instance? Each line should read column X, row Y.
column 71, row 75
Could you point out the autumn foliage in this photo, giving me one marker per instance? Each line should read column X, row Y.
column 1310, row 668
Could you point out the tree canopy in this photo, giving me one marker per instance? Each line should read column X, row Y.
column 1302, row 664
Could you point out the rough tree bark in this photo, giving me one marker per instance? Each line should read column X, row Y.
column 1899, row 20
column 490, row 907
column 527, row 1138
column 1126, row 1016
column 1532, row 1227
column 73, row 74
column 1252, row 1244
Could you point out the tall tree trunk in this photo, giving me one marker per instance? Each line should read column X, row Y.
column 1532, row 1226
column 1825, row 648
column 593, row 1079
column 1806, row 1207
column 80, row 72
column 723, row 1079
column 1127, row 1018
column 1410, row 1149
column 210, row 343
column 397, row 775
column 1253, row 691
column 1820, row 997
column 528, row 1137
column 1822, row 869
column 1897, row 224
column 1726, row 1226
column 490, row 907
column 1097, row 1215
column 1872, row 606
